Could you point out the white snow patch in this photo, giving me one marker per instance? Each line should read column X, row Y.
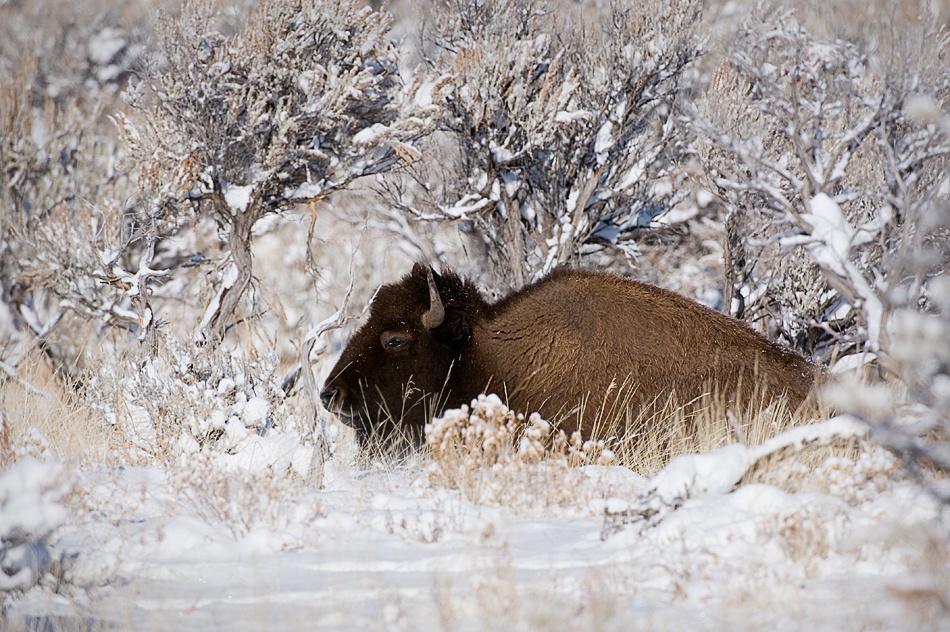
column 704, row 197
column 238, row 197
column 105, row 45
column 853, row 363
column 255, row 411
column 501, row 155
column 306, row 191
column 570, row 117
column 923, row 108
column 469, row 204
column 832, row 233
column 372, row 134
column 30, row 509
column 676, row 215
column 424, row 94
column 604, row 141
column 634, row 175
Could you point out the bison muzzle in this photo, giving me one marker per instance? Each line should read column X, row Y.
column 567, row 346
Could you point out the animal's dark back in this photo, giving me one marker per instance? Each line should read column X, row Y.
column 578, row 335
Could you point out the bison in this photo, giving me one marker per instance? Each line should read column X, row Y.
column 570, row 343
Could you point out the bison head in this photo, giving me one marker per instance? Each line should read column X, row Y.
column 393, row 375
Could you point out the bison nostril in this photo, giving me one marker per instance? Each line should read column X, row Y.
column 328, row 394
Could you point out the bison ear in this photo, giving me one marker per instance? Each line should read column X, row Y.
column 455, row 330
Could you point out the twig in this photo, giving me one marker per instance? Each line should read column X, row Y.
column 12, row 373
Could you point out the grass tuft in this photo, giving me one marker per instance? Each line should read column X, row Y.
column 37, row 404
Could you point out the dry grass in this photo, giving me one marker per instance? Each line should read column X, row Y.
column 645, row 439
column 38, row 399
column 493, row 456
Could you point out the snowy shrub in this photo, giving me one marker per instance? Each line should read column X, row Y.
column 565, row 137
column 303, row 98
column 491, row 455
column 111, row 252
column 830, row 183
column 831, row 159
column 243, row 501
column 62, row 201
column 84, row 51
column 62, row 193
column 912, row 415
column 31, row 491
column 187, row 400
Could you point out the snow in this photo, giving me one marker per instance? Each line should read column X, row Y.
column 633, row 176
column 923, row 108
column 227, row 282
column 104, row 49
column 238, row 197
column 604, row 141
column 830, row 240
column 718, row 472
column 372, row 134
column 255, row 411
column 853, row 363
column 389, row 547
column 105, row 45
column 466, row 206
column 570, row 117
column 676, row 215
column 305, row 191
column 832, row 232
column 424, row 94
column 30, row 509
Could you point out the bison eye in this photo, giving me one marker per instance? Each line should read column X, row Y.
column 394, row 340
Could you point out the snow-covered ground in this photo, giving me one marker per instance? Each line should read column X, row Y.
column 856, row 545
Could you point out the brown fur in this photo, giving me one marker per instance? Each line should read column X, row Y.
column 571, row 339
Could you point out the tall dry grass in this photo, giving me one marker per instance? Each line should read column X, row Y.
column 38, row 408
column 646, row 438
column 492, row 455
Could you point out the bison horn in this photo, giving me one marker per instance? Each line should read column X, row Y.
column 436, row 314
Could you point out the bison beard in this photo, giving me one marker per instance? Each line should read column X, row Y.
column 433, row 342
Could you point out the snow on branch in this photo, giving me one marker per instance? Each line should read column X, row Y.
column 718, row 472
column 809, row 143
column 831, row 162
column 566, row 132
column 301, row 100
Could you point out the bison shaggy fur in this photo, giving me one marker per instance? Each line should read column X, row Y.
column 568, row 345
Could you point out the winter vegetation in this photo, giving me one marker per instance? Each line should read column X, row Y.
column 200, row 198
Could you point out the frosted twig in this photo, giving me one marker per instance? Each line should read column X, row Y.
column 14, row 375
column 718, row 472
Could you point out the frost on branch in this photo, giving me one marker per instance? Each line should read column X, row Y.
column 302, row 99
column 824, row 177
column 64, row 204
column 718, row 472
column 832, row 162
column 564, row 127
